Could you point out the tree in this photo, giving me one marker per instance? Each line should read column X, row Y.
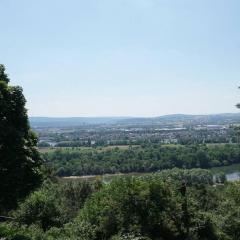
column 39, row 208
column 19, row 158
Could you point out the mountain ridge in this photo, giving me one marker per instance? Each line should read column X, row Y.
column 221, row 118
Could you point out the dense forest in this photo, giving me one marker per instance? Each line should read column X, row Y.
column 173, row 204
column 144, row 158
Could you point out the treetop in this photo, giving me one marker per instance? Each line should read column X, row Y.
column 3, row 75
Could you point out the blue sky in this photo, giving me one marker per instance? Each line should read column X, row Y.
column 123, row 57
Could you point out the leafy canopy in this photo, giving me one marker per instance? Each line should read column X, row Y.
column 19, row 158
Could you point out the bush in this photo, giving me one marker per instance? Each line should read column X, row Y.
column 39, row 208
column 12, row 232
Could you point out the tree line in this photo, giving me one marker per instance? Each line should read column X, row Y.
column 144, row 158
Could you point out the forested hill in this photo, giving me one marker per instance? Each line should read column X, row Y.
column 225, row 118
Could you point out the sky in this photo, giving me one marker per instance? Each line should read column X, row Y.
column 123, row 57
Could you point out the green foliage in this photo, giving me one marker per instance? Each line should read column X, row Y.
column 40, row 209
column 147, row 158
column 172, row 205
column 81, row 230
column 221, row 177
column 72, row 196
column 19, row 158
column 146, row 206
column 13, row 232
column 3, row 75
column 129, row 237
column 54, row 204
column 190, row 177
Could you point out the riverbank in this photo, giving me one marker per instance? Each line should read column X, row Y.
column 232, row 173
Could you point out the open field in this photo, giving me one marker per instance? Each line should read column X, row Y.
column 122, row 147
column 51, row 149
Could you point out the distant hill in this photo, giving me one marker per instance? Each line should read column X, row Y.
column 225, row 118
column 72, row 121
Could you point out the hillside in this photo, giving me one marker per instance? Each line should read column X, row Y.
column 225, row 118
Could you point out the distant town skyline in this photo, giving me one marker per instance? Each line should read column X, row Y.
column 139, row 58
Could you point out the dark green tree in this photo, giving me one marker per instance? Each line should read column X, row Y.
column 19, row 158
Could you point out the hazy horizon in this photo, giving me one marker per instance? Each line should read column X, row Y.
column 132, row 116
column 136, row 58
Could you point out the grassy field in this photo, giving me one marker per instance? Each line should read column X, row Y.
column 123, row 147
column 50, row 149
